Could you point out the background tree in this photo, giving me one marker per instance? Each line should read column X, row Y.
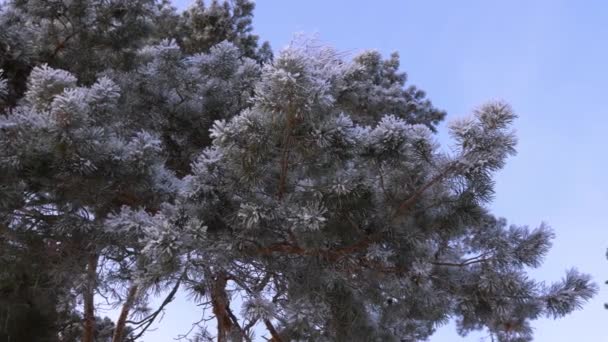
column 207, row 25
column 63, row 121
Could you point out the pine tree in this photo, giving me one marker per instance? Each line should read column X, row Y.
column 340, row 226
column 71, row 158
column 205, row 26
column 144, row 150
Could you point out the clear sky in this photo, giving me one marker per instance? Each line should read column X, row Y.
column 548, row 58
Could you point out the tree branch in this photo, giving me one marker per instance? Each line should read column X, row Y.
column 408, row 203
column 462, row 264
column 146, row 322
column 273, row 332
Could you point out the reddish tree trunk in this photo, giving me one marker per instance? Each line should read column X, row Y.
column 219, row 299
column 119, row 331
column 273, row 332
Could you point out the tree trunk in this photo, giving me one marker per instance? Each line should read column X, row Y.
column 219, row 299
column 119, row 331
column 88, row 334
column 273, row 332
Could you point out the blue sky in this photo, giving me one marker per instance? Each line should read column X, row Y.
column 548, row 59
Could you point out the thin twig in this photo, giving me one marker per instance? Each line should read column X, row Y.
column 146, row 322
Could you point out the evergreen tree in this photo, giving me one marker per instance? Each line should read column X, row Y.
column 338, row 225
column 70, row 155
column 29, row 297
column 205, row 26
column 144, row 150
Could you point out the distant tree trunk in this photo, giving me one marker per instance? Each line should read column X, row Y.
column 219, row 299
column 119, row 331
column 88, row 334
column 276, row 337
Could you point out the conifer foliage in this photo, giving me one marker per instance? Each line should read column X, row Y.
column 145, row 150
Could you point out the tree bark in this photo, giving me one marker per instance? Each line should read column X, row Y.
column 119, row 331
column 273, row 332
column 88, row 334
column 219, row 300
